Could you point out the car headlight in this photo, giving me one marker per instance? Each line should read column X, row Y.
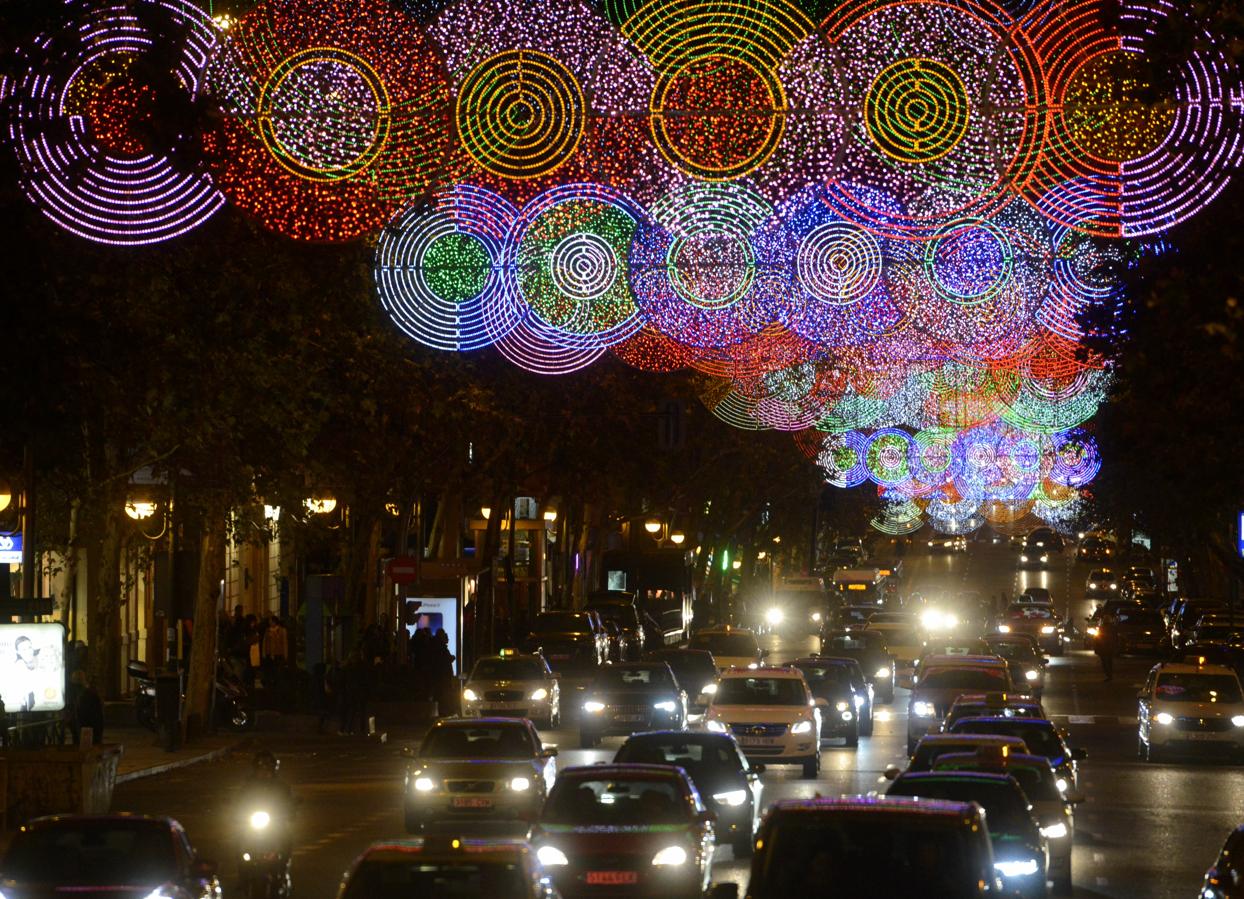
column 801, row 727
column 1023, row 558
column 1048, row 629
column 1017, row 867
column 923, row 709
column 774, row 616
column 1054, row 831
column 753, row 665
column 539, row 695
column 1163, row 718
column 1031, row 675
column 470, row 695
column 883, row 672
column 841, row 706
column 1045, row 559
column 1237, row 720
column 424, row 784
column 1092, row 585
column 551, row 856
column 847, row 716
column 715, row 726
column 816, row 616
column 670, row 855
column 1004, row 628
column 733, row 798
column 1114, row 586
column 520, row 784
column 593, row 706
column 1061, row 783
column 260, row 820
column 1094, row 631
column 709, row 689
column 664, row 706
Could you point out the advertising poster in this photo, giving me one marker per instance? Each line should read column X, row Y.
column 32, row 667
column 435, row 614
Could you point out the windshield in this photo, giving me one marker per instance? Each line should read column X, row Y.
column 696, row 757
column 858, row 643
column 761, row 691
column 1139, row 618
column 1021, row 610
column 507, row 669
column 614, row 803
column 94, row 854
column 1197, row 688
column 1017, row 652
column 648, row 677
column 693, row 672
column 869, row 855
column 625, row 616
column 826, row 676
column 976, row 680
column 561, row 622
column 465, row 878
column 1006, row 810
column 732, row 645
column 1039, row 736
column 457, row 742
column 900, row 636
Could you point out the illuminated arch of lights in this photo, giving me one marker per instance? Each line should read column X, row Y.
column 881, row 230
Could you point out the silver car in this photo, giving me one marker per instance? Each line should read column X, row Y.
column 513, row 685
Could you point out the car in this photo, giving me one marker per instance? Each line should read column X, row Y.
column 630, row 697
column 696, row 673
column 117, row 855
column 978, row 705
column 1107, row 610
column 1139, row 630
column 1032, row 556
column 568, row 640
column 1095, row 549
column 619, row 606
column 1101, row 583
column 903, row 639
column 1190, row 612
column 1040, row 735
column 1025, row 660
column 869, row 649
column 1217, row 630
column 873, row 846
column 773, row 715
column 842, row 715
column 1021, row 853
column 947, row 543
column 1044, row 539
column 933, row 746
column 1191, row 708
column 478, row 773
column 1036, row 595
column 941, row 681
column 447, row 867
column 727, row 782
column 1142, row 571
column 852, row 617
column 1230, row 655
column 1055, row 813
column 1225, row 878
column 626, row 830
column 864, row 690
column 512, row 684
column 952, row 646
column 1041, row 622
column 619, row 647
column 732, row 647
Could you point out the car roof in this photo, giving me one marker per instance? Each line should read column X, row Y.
column 775, row 671
column 975, row 776
column 843, row 661
column 47, row 821
column 723, row 629
column 1042, row 723
column 966, row 737
column 443, row 849
column 512, row 657
column 1191, row 668
column 481, row 722
column 947, row 661
column 623, row 769
column 686, row 736
column 880, row 805
column 1011, row 759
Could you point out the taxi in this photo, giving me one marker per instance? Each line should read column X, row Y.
column 513, row 684
column 486, row 773
column 773, row 715
column 978, row 705
column 447, row 866
column 1190, row 707
column 942, row 679
column 732, row 647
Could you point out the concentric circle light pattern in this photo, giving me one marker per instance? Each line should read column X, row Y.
column 879, row 228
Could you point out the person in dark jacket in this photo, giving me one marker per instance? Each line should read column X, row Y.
column 89, row 711
column 1106, row 644
column 444, row 681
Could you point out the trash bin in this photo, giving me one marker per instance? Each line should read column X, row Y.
column 168, row 687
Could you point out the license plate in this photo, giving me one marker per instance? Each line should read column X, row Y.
column 628, row 718
column 471, row 802
column 506, row 705
column 758, row 741
column 611, row 878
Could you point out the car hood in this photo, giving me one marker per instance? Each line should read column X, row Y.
column 1198, row 709
column 759, row 714
column 524, row 685
column 484, row 769
column 724, row 662
column 629, row 697
column 581, row 843
column 69, row 891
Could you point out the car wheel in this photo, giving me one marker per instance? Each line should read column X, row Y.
column 743, row 846
column 812, row 766
column 866, row 726
column 555, row 720
column 587, row 740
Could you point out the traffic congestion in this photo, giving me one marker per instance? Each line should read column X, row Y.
column 998, row 719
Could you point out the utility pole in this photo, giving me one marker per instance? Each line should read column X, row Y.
column 29, row 535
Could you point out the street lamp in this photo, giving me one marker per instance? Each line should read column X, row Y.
column 677, row 538
column 6, row 495
column 271, row 513
column 139, row 509
column 550, row 515
column 320, row 505
column 486, row 511
column 653, row 526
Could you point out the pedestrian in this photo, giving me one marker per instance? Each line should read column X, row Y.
column 351, row 692
column 275, row 653
column 422, row 651
column 89, row 711
column 1106, row 645
column 69, row 716
column 444, row 682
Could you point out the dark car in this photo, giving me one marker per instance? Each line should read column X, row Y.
column 1095, row 549
column 1040, row 621
column 990, row 705
column 869, row 649
column 626, row 830
column 567, row 640
column 934, row 746
column 696, row 673
column 1044, row 538
column 727, row 782
column 1225, row 879
column 631, row 697
column 1026, row 662
column 618, row 606
column 618, row 645
column 864, row 846
column 1039, row 735
column 1140, row 630
column 115, row 856
column 846, row 695
column 942, row 680
column 852, row 617
column 1020, row 853
column 447, row 868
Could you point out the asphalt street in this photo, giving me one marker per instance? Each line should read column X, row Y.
column 1146, row 830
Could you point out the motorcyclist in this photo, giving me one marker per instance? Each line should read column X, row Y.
column 266, row 813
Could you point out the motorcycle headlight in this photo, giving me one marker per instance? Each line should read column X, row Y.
column 883, row 672
column 923, row 709
column 733, row 798
column 709, row 689
column 1061, row 783
column 540, row 695
column 1004, row 628
column 774, row 616
column 470, row 695
column 670, row 855
column 841, row 706
column 551, row 856
column 1025, row 867
column 801, row 727
column 260, row 820
column 858, row 700
column 1094, row 631
column 1163, row 718
column 715, row 726
column 424, row 784
column 1054, row 831
column 1048, row 629
column 520, row 784
column 1031, row 675
column 593, row 706
column 664, row 706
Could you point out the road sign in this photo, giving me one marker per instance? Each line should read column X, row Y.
column 10, row 549
column 403, row 569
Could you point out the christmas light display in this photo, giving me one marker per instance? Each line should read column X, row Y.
column 879, row 226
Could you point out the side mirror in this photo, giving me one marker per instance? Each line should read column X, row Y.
column 891, row 772
column 1079, row 754
column 722, row 891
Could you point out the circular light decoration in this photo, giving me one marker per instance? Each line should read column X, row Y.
column 568, row 252
column 101, row 121
column 945, row 105
column 898, row 518
column 332, row 122
column 887, row 455
column 1049, row 405
column 521, row 114
column 438, row 267
column 1076, row 459
column 841, row 459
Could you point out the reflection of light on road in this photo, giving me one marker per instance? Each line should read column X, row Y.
column 883, row 715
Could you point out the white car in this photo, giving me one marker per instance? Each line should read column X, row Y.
column 772, row 715
column 732, row 647
column 1192, row 708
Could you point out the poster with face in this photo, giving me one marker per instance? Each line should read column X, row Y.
column 32, row 667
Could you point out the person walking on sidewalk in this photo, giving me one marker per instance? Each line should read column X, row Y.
column 1106, row 645
column 88, row 710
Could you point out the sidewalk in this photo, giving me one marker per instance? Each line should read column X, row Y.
column 143, row 757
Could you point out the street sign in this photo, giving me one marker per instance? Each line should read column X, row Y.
column 403, row 569
column 10, row 549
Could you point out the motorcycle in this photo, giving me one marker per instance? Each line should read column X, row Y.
column 232, row 703
column 264, row 854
